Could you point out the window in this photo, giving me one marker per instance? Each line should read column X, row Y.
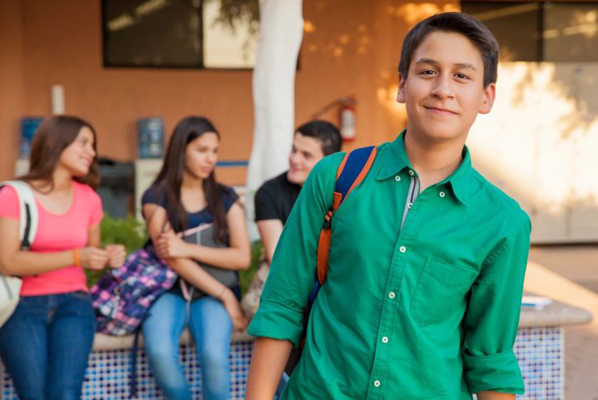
column 541, row 31
column 180, row 33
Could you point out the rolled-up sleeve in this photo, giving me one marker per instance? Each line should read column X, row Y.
column 291, row 277
column 492, row 317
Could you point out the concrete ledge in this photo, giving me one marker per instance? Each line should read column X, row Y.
column 556, row 314
column 107, row 342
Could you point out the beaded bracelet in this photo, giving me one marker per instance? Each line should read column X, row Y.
column 76, row 256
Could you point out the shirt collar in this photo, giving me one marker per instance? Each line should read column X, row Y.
column 395, row 159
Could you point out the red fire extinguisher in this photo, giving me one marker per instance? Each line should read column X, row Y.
column 347, row 118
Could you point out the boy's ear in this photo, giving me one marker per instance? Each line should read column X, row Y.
column 401, row 91
column 488, row 99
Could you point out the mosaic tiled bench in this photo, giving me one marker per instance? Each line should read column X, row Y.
column 539, row 348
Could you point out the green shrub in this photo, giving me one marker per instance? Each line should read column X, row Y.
column 245, row 277
column 126, row 231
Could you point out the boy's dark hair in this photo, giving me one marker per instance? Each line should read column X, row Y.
column 328, row 135
column 454, row 22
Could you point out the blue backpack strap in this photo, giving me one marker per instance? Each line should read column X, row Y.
column 351, row 172
column 134, row 352
column 353, row 166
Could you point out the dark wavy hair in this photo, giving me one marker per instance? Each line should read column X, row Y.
column 51, row 138
column 170, row 178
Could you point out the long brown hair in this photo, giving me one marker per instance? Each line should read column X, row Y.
column 51, row 138
column 170, row 178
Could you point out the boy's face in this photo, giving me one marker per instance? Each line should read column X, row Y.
column 305, row 154
column 444, row 90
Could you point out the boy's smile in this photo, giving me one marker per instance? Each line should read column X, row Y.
column 443, row 91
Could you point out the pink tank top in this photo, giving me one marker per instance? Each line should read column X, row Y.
column 58, row 233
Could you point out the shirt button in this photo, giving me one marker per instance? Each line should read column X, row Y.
column 377, row 383
column 441, row 194
column 411, row 172
column 402, row 249
column 409, row 205
column 384, row 339
column 397, row 178
column 391, row 295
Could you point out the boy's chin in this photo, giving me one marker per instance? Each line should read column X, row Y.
column 441, row 133
column 297, row 178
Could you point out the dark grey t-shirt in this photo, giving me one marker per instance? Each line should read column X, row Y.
column 275, row 199
column 154, row 195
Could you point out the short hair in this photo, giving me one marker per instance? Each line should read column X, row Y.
column 454, row 22
column 328, row 135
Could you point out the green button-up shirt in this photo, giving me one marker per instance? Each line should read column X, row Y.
column 426, row 311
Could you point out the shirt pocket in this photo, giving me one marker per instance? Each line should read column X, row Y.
column 441, row 292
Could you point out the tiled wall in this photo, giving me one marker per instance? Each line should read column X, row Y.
column 539, row 351
column 108, row 374
column 541, row 354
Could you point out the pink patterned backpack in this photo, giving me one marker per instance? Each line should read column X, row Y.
column 122, row 297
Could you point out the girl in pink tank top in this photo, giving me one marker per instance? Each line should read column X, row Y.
column 49, row 360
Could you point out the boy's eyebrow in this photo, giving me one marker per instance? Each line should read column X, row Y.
column 465, row 65
column 434, row 62
column 426, row 61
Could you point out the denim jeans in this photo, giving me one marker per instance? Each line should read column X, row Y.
column 211, row 328
column 45, row 345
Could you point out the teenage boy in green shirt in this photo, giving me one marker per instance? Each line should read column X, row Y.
column 427, row 261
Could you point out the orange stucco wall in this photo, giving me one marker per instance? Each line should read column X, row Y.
column 11, row 84
column 349, row 47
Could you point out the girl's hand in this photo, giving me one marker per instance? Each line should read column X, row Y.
column 116, row 255
column 93, row 258
column 233, row 308
column 169, row 245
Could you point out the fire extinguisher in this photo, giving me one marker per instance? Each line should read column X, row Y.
column 347, row 118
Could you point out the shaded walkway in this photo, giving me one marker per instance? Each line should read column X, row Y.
column 570, row 275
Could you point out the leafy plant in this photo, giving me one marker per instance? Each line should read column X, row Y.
column 233, row 12
column 126, row 231
column 245, row 277
column 129, row 232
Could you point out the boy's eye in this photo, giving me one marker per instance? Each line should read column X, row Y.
column 461, row 76
column 428, row 72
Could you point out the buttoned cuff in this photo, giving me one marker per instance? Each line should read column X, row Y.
column 277, row 321
column 496, row 372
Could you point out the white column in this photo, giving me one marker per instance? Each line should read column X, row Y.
column 281, row 32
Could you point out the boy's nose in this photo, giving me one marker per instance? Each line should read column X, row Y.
column 442, row 89
column 294, row 158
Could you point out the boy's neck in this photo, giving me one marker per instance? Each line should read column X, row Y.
column 433, row 161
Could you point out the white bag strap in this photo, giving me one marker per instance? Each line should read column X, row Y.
column 28, row 212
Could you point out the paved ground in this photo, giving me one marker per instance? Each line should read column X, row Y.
column 570, row 274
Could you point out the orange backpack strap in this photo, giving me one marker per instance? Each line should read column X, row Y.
column 351, row 172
